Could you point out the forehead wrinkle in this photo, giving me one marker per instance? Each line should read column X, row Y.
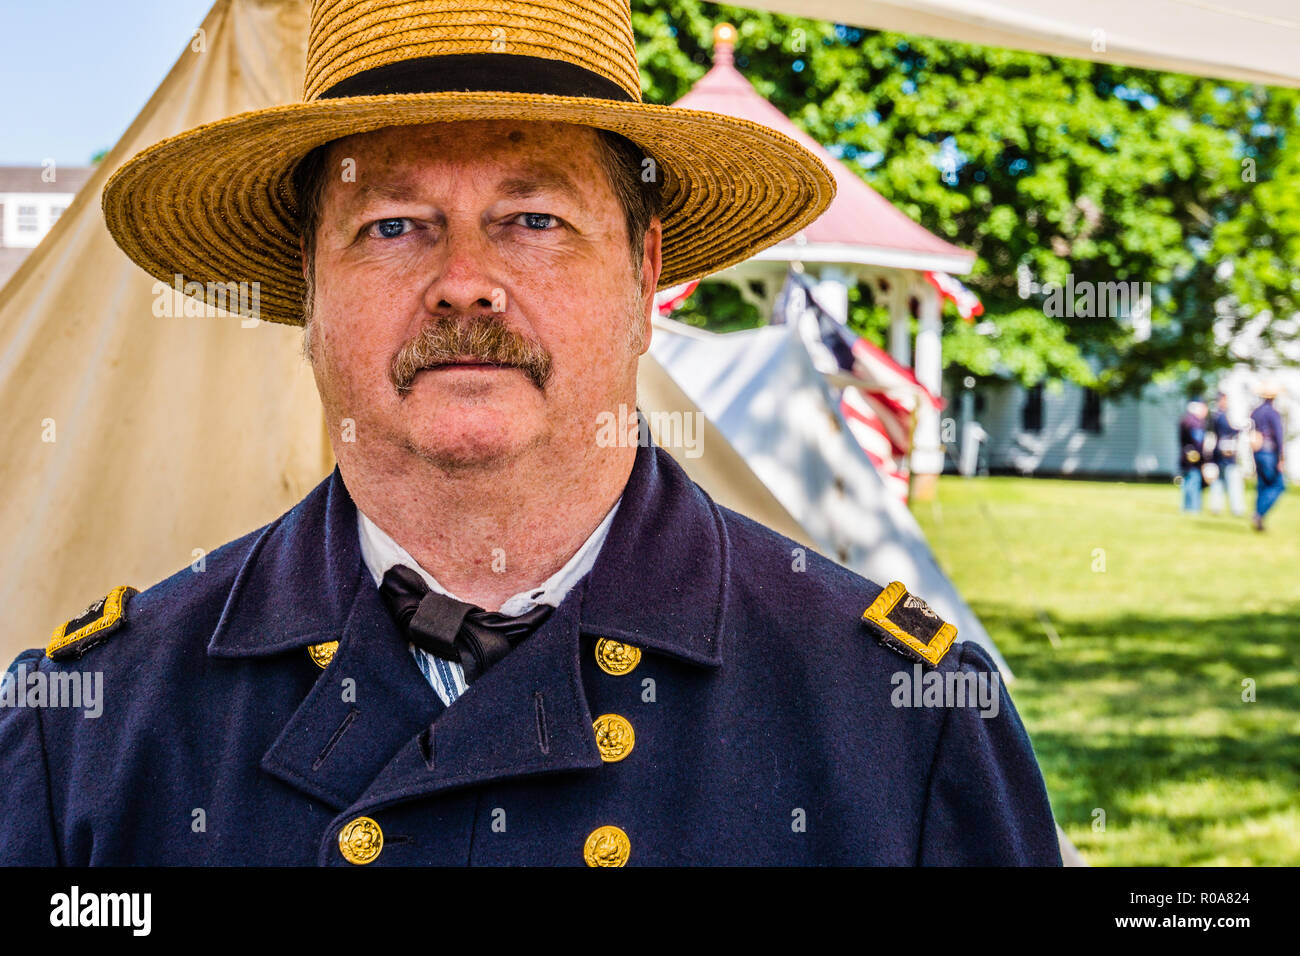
column 395, row 190
column 534, row 181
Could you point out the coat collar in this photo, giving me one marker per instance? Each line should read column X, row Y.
column 298, row 582
column 659, row 581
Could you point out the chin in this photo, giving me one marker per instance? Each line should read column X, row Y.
column 473, row 437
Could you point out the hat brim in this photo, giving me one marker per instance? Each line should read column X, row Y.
column 216, row 204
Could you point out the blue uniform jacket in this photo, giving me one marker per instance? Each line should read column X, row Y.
column 1225, row 444
column 764, row 731
column 1268, row 422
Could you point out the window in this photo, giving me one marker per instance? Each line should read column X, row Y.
column 1031, row 413
column 55, row 213
column 1090, row 417
column 29, row 219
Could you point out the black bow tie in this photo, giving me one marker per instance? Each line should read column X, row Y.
column 452, row 629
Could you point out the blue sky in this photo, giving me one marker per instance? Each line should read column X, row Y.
column 74, row 73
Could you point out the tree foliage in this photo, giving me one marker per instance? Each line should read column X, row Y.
column 1046, row 168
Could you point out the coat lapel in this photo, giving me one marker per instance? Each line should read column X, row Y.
column 304, row 583
column 660, row 580
column 657, row 583
column 369, row 702
column 527, row 715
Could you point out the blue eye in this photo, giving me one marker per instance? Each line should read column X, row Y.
column 538, row 220
column 391, row 228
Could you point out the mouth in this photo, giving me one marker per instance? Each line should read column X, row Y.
column 465, row 364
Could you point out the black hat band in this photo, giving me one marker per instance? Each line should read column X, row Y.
column 480, row 73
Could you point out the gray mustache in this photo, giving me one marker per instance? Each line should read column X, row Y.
column 484, row 338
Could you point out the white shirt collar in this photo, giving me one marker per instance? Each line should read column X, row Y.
column 380, row 552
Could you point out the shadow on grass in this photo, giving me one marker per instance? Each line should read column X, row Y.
column 1143, row 716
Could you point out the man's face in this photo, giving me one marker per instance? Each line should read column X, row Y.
column 475, row 294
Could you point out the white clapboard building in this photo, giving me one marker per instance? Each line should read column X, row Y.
column 32, row 198
column 1063, row 429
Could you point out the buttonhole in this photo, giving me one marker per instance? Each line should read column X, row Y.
column 543, row 740
column 426, row 745
column 333, row 741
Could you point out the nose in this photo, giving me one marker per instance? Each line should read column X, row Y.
column 462, row 279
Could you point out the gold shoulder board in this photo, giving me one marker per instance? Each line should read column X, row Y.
column 92, row 626
column 906, row 624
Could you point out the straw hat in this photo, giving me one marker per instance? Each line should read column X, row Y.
column 1268, row 388
column 216, row 204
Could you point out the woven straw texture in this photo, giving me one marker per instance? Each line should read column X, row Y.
column 349, row 36
column 216, row 205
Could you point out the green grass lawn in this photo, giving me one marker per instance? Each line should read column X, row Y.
column 1162, row 617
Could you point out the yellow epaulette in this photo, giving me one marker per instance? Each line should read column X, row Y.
column 906, row 624
column 92, row 626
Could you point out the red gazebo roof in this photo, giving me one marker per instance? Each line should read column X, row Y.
column 861, row 226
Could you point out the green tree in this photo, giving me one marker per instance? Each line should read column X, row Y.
column 1045, row 166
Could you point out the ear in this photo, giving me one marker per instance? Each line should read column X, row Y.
column 652, row 264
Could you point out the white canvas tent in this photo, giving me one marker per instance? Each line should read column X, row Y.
column 763, row 392
column 137, row 442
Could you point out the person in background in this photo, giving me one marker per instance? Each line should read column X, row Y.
column 1229, row 479
column 1270, row 451
column 1191, row 438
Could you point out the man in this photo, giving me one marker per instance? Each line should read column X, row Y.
column 1270, row 453
column 1229, row 478
column 1191, row 440
column 493, row 635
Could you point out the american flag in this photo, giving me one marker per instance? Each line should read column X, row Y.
column 878, row 397
column 669, row 300
column 880, row 402
column 967, row 302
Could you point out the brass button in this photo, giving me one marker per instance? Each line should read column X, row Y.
column 614, row 737
column 361, row 840
column 617, row 658
column 322, row 654
column 607, row 846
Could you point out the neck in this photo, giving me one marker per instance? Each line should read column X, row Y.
column 487, row 534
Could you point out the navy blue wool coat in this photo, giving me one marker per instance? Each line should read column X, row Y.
column 764, row 714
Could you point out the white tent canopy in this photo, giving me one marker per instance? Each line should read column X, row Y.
column 1253, row 40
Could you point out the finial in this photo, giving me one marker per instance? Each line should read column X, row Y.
column 724, row 42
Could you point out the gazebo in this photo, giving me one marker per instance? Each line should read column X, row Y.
column 860, row 238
